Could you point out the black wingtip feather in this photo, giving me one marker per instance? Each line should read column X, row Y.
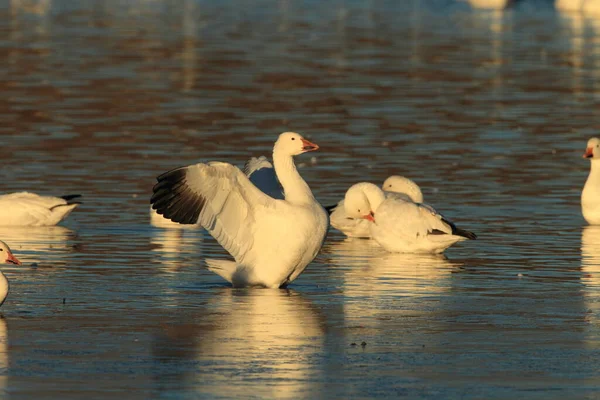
column 69, row 197
column 173, row 199
column 330, row 209
column 464, row 233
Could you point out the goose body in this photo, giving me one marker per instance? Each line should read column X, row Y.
column 271, row 240
column 6, row 257
column 395, row 186
column 582, row 6
column 30, row 209
column 590, row 196
column 402, row 226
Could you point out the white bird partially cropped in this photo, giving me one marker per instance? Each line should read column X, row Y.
column 395, row 186
column 590, row 196
column 581, row 6
column 30, row 209
column 6, row 257
column 271, row 240
column 402, row 226
column 260, row 172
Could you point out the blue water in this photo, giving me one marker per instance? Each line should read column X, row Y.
column 487, row 110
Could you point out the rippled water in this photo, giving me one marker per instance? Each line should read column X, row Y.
column 488, row 110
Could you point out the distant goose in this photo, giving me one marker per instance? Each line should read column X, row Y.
column 271, row 240
column 260, row 172
column 584, row 6
column 6, row 257
column 395, row 186
column 496, row 4
column 30, row 209
column 402, row 226
column 590, row 196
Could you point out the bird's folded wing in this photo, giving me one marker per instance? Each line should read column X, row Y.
column 22, row 211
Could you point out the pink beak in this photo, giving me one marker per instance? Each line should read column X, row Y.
column 11, row 259
column 589, row 152
column 370, row 217
column 308, row 146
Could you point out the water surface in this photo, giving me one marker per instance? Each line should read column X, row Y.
column 487, row 110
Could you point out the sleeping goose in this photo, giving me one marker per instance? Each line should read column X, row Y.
column 6, row 257
column 590, row 196
column 260, row 172
column 30, row 209
column 402, row 226
column 271, row 240
column 395, row 186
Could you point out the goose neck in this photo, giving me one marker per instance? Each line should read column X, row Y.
column 296, row 190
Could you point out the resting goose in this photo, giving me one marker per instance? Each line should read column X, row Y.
column 402, row 226
column 30, row 209
column 271, row 240
column 395, row 186
column 590, row 196
column 260, row 172
column 6, row 257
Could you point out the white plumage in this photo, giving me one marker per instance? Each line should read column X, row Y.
column 395, row 186
column 590, row 196
column 30, row 209
column 260, row 172
column 271, row 240
column 400, row 225
column 6, row 257
column 582, row 6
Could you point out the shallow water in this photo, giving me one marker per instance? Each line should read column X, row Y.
column 488, row 110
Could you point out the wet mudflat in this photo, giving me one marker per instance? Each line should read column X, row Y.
column 488, row 111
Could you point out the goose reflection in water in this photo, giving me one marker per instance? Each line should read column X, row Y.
column 176, row 248
column 590, row 265
column 369, row 268
column 381, row 289
column 269, row 340
column 40, row 244
column 4, row 359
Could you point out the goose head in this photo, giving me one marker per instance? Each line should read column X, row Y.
column 400, row 184
column 292, row 143
column 362, row 201
column 6, row 256
column 593, row 149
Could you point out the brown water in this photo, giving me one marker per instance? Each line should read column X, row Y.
column 489, row 111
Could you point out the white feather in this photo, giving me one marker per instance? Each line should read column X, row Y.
column 30, row 209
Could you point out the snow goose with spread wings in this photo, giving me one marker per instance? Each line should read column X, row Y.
column 271, row 240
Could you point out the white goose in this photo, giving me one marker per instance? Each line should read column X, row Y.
column 590, row 196
column 583, row 6
column 260, row 172
column 271, row 240
column 402, row 226
column 395, row 186
column 30, row 209
column 6, row 257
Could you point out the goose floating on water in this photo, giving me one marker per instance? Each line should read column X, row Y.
column 399, row 225
column 6, row 257
column 30, row 209
column 395, row 186
column 271, row 240
column 590, row 196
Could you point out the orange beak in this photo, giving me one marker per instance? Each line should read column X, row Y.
column 11, row 259
column 589, row 152
column 370, row 217
column 308, row 146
